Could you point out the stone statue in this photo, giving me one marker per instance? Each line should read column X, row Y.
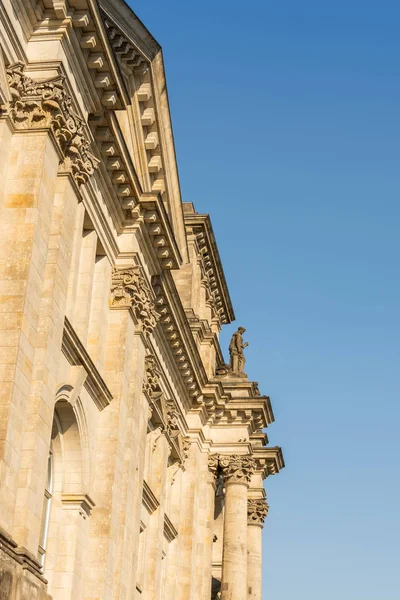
column 236, row 348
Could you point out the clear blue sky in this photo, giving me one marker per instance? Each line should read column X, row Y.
column 287, row 130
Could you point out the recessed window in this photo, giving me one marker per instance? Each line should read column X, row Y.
column 44, row 531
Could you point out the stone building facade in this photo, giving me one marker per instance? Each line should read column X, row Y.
column 132, row 458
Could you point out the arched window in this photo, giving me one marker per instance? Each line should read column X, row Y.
column 44, row 532
column 66, row 507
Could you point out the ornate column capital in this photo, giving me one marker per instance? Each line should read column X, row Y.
column 257, row 510
column 46, row 104
column 237, row 468
column 129, row 289
column 213, row 464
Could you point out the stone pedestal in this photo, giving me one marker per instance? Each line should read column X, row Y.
column 257, row 510
column 237, row 471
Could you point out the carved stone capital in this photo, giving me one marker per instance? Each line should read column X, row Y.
column 257, row 510
column 151, row 385
column 237, row 468
column 129, row 289
column 172, row 418
column 46, row 104
column 213, row 464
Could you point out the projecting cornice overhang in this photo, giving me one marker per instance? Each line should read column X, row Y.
column 79, row 26
column 269, row 459
column 151, row 210
column 254, row 412
column 120, row 15
column 140, row 60
column 178, row 336
column 128, row 32
column 201, row 227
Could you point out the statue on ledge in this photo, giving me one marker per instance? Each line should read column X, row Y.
column 236, row 348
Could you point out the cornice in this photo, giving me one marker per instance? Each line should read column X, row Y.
column 138, row 208
column 130, row 26
column 77, row 355
column 178, row 336
column 269, row 459
column 82, row 33
column 151, row 211
column 259, row 439
column 140, row 57
column 253, row 412
column 200, row 226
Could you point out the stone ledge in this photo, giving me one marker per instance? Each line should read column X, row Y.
column 77, row 355
column 149, row 500
column 170, row 532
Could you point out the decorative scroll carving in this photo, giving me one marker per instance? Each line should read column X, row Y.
column 237, row 468
column 130, row 289
column 257, row 510
column 213, row 467
column 172, row 419
column 38, row 104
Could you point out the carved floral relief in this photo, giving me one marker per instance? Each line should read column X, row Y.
column 129, row 289
column 41, row 104
column 237, row 468
column 257, row 510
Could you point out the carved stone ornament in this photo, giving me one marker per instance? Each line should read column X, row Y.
column 130, row 289
column 151, row 386
column 237, row 468
column 257, row 510
column 213, row 464
column 41, row 104
column 172, row 419
column 186, row 444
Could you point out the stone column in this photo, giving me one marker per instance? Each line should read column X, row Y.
column 257, row 510
column 237, row 471
column 210, row 507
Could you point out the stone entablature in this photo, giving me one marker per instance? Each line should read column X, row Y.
column 199, row 228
